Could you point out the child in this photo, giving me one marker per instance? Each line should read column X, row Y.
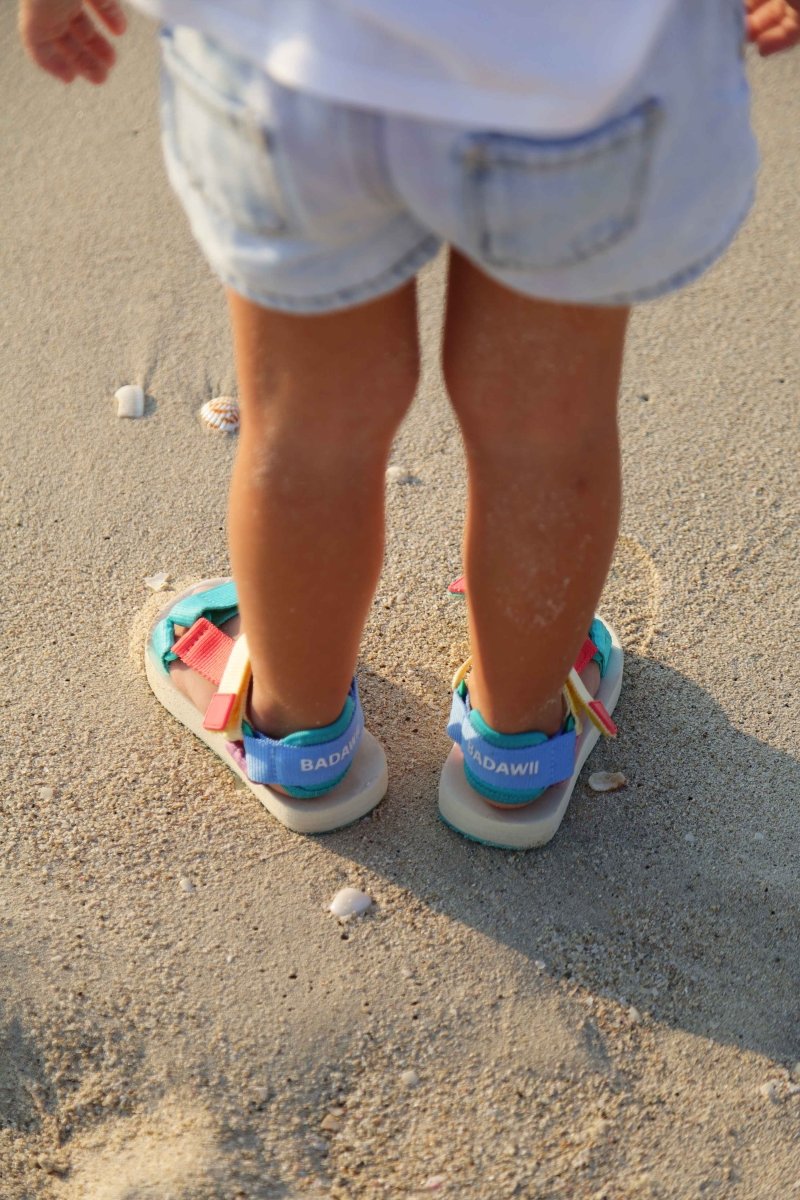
column 577, row 158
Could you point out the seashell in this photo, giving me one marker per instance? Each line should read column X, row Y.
column 402, row 476
column 349, row 902
column 607, row 781
column 157, row 582
column 130, row 401
column 221, row 414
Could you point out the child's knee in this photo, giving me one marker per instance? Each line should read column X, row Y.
column 342, row 426
column 535, row 429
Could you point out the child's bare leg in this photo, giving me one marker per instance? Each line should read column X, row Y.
column 321, row 398
column 534, row 386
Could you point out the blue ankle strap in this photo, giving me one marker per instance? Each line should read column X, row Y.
column 312, row 762
column 517, row 770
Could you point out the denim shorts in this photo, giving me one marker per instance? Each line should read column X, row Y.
column 309, row 206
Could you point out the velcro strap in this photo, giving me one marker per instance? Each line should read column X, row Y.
column 582, row 702
column 219, row 602
column 225, row 710
column 310, row 765
column 601, row 718
column 516, row 769
column 205, row 649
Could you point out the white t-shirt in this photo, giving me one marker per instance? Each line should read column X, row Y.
column 549, row 66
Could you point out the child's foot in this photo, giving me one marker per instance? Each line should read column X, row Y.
column 328, row 779
column 513, row 790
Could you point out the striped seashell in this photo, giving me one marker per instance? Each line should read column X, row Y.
column 221, row 414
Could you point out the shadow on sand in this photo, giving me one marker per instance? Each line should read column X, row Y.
column 677, row 895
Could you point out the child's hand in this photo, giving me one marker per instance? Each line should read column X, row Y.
column 773, row 24
column 60, row 37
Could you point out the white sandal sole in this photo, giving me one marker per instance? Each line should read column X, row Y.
column 362, row 788
column 534, row 824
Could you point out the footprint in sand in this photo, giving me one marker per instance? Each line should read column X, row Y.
column 171, row 1151
column 632, row 595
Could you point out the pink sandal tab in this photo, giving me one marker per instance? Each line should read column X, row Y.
column 205, row 649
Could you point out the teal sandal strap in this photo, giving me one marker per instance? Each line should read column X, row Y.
column 601, row 637
column 218, row 605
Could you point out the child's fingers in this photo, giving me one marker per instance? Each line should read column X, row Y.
column 82, row 60
column 782, row 37
column 764, row 16
column 54, row 63
column 110, row 14
column 93, row 41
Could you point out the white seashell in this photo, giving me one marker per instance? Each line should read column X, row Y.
column 349, row 902
column 770, row 1091
column 409, row 1078
column 46, row 793
column 607, row 781
column 130, row 401
column 157, row 582
column 221, row 414
column 186, row 885
column 395, row 474
column 434, row 1182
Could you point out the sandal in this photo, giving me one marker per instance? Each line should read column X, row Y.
column 485, row 790
column 332, row 775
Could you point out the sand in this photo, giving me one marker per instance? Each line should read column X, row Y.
column 615, row 1016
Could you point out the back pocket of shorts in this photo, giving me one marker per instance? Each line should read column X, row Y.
column 540, row 203
column 225, row 149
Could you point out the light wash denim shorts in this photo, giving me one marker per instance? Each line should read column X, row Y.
column 308, row 206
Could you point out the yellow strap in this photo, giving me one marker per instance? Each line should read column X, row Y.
column 235, row 681
column 574, row 697
column 462, row 673
column 577, row 697
column 583, row 699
